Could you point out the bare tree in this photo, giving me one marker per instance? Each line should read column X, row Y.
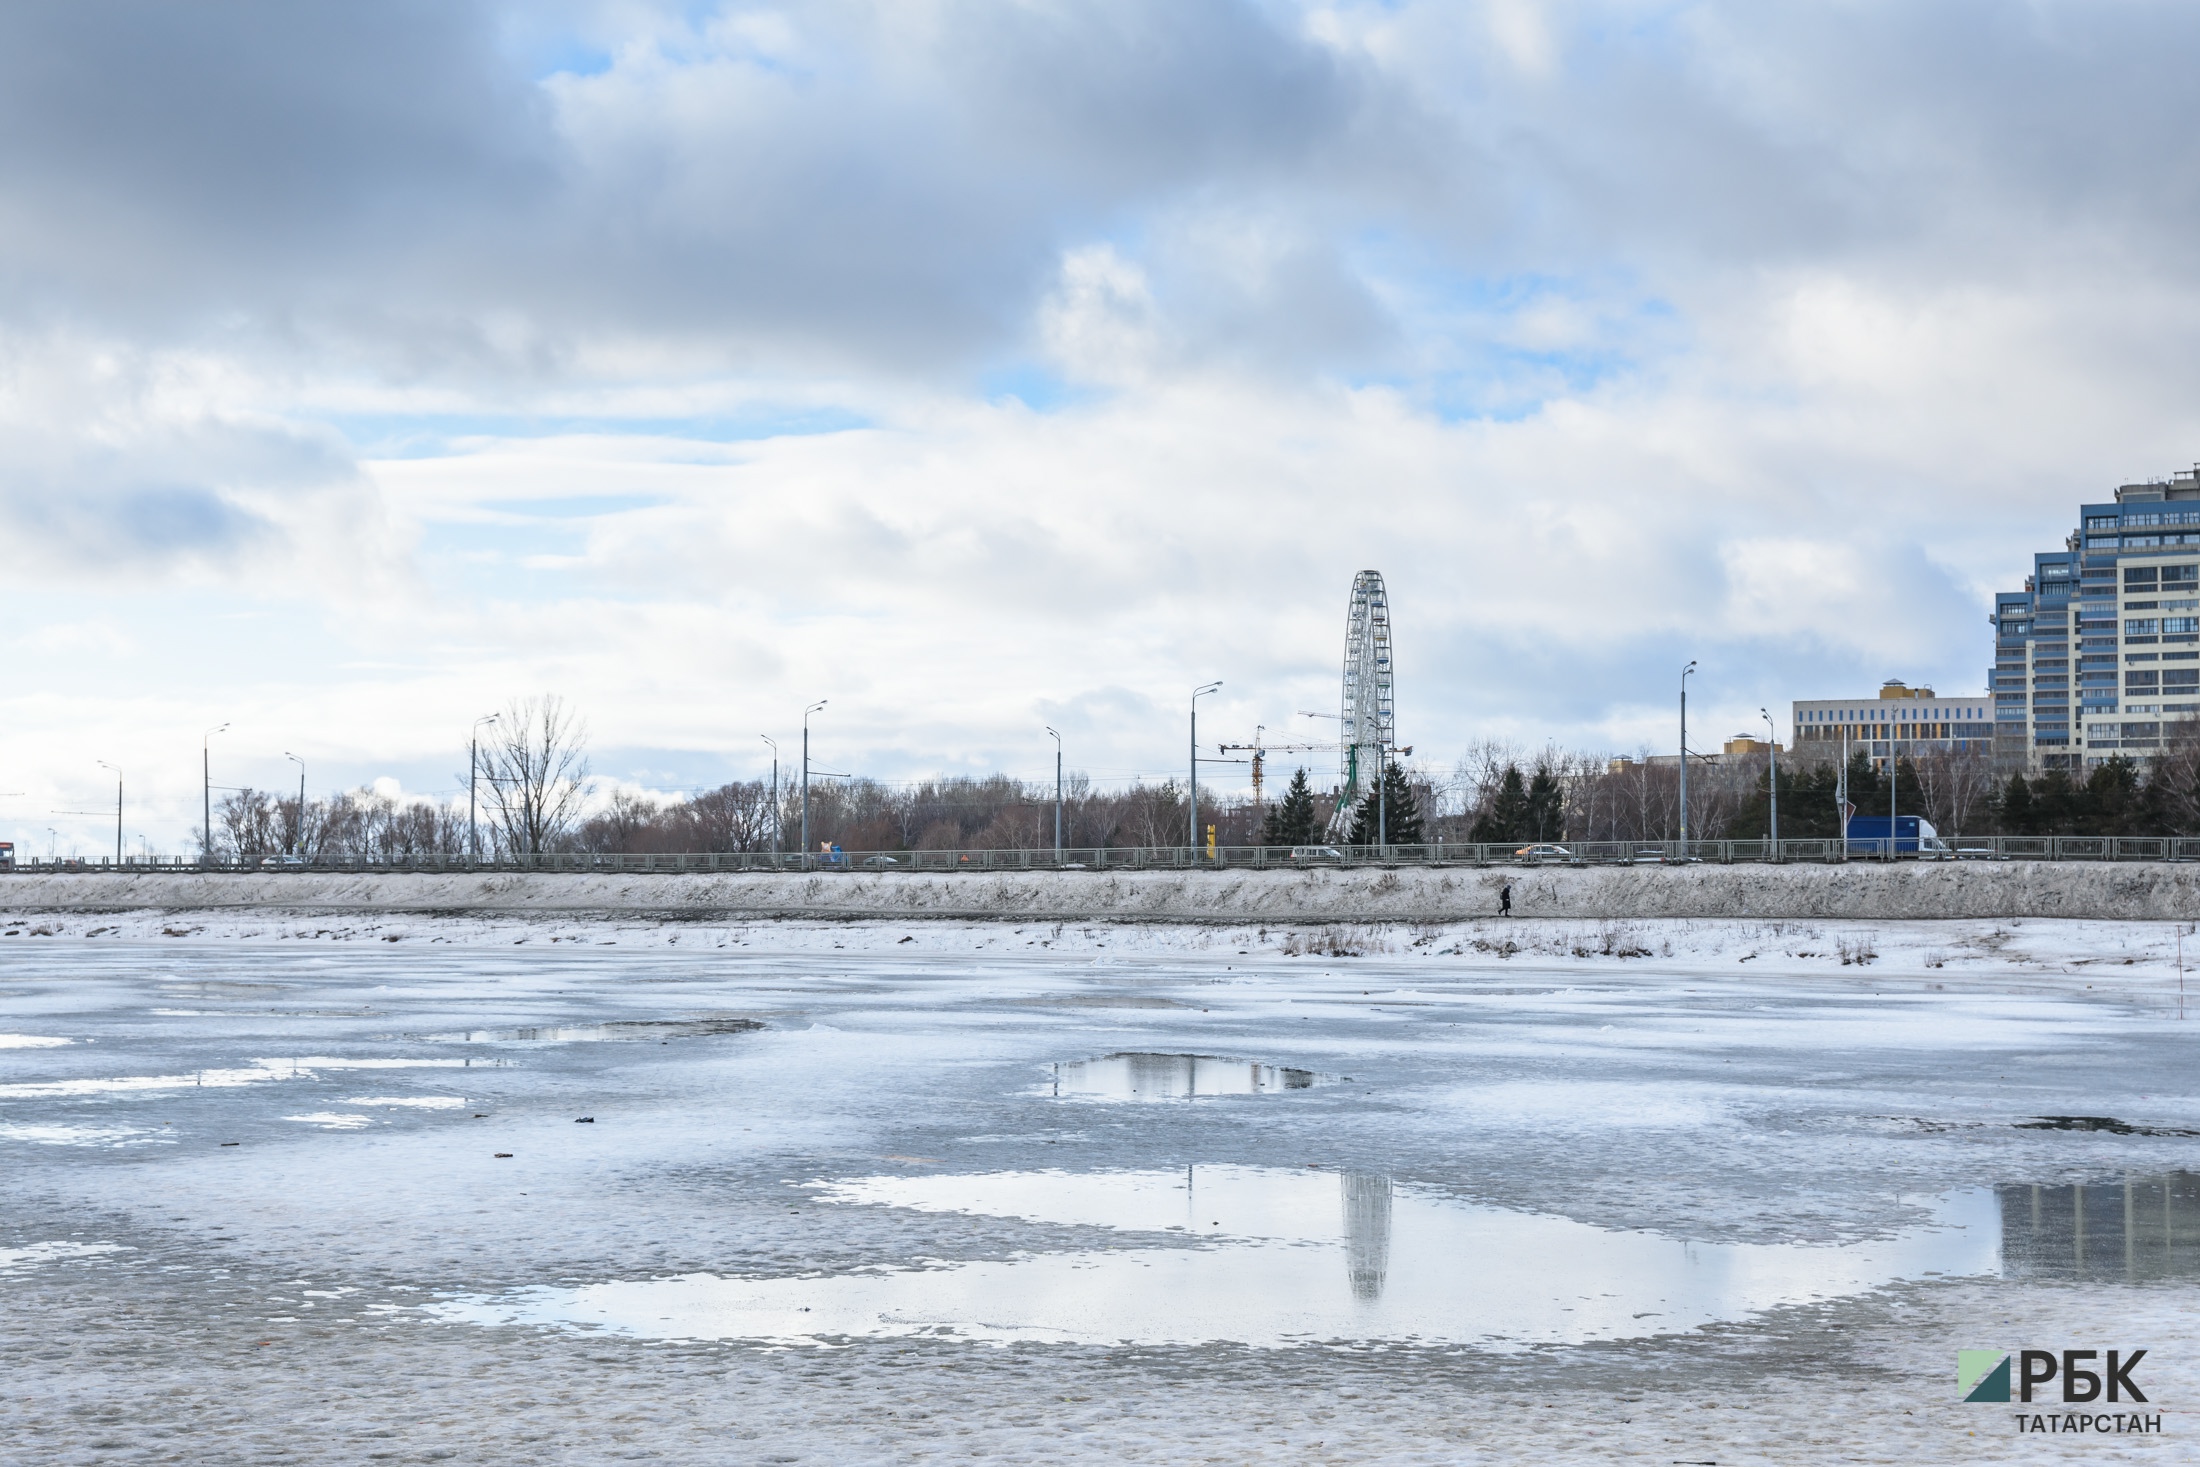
column 630, row 822
column 2174, row 780
column 536, row 765
column 1954, row 787
column 733, row 817
column 249, row 823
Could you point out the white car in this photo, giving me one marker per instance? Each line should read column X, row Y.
column 1316, row 853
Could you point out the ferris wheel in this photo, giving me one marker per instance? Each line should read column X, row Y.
column 1368, row 726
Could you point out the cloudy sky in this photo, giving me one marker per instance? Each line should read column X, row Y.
column 983, row 364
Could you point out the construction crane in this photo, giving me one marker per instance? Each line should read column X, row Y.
column 1260, row 750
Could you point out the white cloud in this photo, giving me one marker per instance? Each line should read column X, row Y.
column 983, row 366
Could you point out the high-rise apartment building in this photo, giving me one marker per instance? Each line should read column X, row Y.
column 2102, row 646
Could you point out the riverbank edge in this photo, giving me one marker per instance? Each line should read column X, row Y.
column 2134, row 891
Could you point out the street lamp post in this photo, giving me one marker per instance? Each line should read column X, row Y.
column 1772, row 763
column 806, row 778
column 767, row 738
column 1197, row 694
column 473, row 778
column 1382, row 825
column 298, row 826
column 118, row 805
column 1684, row 755
column 206, row 790
column 1058, row 794
column 1894, row 785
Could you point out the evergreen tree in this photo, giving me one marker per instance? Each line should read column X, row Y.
column 1545, row 816
column 2016, row 815
column 1401, row 817
column 2109, row 802
column 1867, row 786
column 1807, row 805
column 1505, row 822
column 1291, row 822
column 2054, row 801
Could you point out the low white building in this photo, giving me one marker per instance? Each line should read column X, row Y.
column 1900, row 722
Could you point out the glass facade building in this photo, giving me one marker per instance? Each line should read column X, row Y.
column 2101, row 648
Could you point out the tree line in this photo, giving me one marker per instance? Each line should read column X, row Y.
column 534, row 793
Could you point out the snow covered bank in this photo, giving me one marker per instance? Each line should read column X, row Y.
column 1863, row 891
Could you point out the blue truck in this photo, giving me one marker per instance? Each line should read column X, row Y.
column 1911, row 835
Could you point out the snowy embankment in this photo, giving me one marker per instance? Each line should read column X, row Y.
column 1862, row 891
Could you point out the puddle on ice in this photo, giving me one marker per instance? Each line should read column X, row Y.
column 1173, row 1077
column 334, row 1121
column 96, row 1136
column 31, row 1041
column 260, row 1072
column 1284, row 1258
column 13, row 1260
column 415, row 1102
column 591, row 1033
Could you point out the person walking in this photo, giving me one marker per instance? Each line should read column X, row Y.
column 1505, row 900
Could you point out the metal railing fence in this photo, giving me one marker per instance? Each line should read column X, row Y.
column 1827, row 850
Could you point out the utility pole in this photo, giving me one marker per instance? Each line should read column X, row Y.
column 298, row 827
column 1382, row 803
column 1057, row 795
column 1894, row 825
column 767, row 738
column 1197, row 694
column 118, row 806
column 1772, row 756
column 806, row 779
column 1841, row 787
column 206, row 791
column 473, row 777
column 1684, row 756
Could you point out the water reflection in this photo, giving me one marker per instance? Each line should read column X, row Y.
column 1366, row 1232
column 1174, row 1077
column 1281, row 1257
column 2137, row 1229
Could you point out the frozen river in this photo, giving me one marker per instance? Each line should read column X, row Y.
column 572, row 1203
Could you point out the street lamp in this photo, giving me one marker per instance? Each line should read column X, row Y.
column 118, row 805
column 473, row 777
column 1772, row 764
column 806, row 777
column 1684, row 755
column 1197, row 694
column 1058, row 794
column 767, row 738
column 298, row 826
column 206, row 790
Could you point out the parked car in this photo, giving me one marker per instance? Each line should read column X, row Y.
column 1544, row 854
column 282, row 863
